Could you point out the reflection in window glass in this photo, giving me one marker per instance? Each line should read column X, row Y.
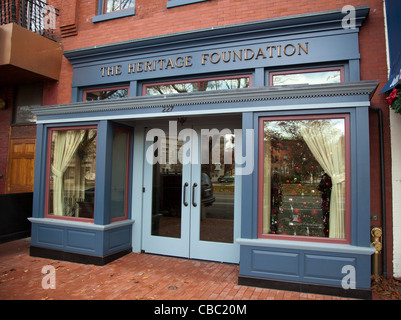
column 72, row 173
column 119, row 174
column 28, row 95
column 304, row 178
column 115, row 5
column 106, row 94
column 217, row 189
column 194, row 86
column 167, row 186
column 317, row 77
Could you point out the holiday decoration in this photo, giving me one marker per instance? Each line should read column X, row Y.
column 301, row 210
column 394, row 100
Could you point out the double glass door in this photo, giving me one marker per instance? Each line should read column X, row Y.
column 189, row 196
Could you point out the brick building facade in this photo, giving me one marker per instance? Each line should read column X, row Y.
column 93, row 38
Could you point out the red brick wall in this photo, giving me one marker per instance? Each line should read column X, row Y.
column 5, row 119
column 153, row 18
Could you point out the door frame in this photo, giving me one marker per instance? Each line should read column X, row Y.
column 189, row 245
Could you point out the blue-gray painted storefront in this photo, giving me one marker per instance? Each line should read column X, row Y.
column 314, row 40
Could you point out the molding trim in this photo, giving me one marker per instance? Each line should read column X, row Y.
column 360, row 88
column 303, row 245
column 81, row 225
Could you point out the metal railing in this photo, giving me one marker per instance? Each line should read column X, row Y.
column 34, row 15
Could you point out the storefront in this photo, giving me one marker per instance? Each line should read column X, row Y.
column 245, row 144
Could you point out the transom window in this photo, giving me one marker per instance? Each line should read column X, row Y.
column 104, row 94
column 308, row 76
column 208, row 84
column 116, row 5
column 304, row 177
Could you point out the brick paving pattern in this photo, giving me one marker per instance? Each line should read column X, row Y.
column 132, row 277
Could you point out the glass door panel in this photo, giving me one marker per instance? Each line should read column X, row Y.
column 166, row 192
column 166, row 213
column 217, row 192
column 189, row 201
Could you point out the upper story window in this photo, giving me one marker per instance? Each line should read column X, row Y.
column 304, row 177
column 27, row 95
column 209, row 84
column 117, row 5
column 105, row 94
column 114, row 9
column 307, row 76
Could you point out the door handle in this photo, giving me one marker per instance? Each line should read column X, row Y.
column 193, row 194
column 185, row 197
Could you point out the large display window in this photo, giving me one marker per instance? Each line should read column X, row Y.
column 71, row 173
column 304, row 184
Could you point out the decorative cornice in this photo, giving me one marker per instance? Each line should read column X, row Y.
column 366, row 88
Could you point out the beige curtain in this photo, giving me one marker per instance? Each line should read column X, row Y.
column 65, row 145
column 327, row 145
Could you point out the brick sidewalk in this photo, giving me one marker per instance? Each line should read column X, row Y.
column 132, row 277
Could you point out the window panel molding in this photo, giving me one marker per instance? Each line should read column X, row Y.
column 178, row 3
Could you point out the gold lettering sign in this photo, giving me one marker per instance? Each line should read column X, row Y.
column 211, row 58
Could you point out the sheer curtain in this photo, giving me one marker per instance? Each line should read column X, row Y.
column 65, row 145
column 328, row 147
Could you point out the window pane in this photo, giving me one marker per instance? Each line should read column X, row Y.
column 115, row 5
column 106, row 94
column 119, row 174
column 304, row 178
column 217, row 189
column 27, row 96
column 72, row 173
column 125, row 4
column 112, row 5
column 167, row 186
column 307, row 78
column 194, row 86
